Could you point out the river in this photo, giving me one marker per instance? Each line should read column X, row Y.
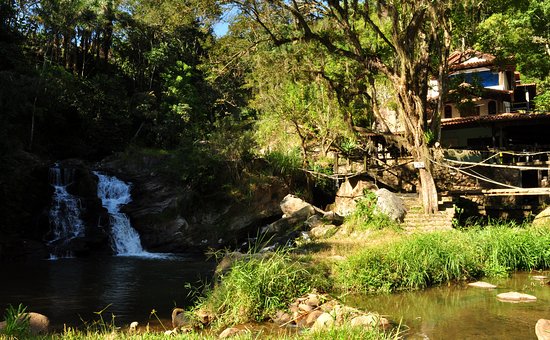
column 71, row 290
column 463, row 312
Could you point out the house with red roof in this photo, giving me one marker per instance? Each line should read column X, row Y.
column 488, row 107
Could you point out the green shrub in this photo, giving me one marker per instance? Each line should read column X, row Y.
column 366, row 216
column 257, row 286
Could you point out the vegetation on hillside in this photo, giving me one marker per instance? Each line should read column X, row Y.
column 89, row 78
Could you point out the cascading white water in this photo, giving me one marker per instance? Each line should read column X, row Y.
column 114, row 193
column 65, row 210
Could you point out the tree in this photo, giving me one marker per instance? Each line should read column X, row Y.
column 412, row 41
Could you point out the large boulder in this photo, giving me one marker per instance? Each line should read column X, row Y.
column 390, row 204
column 38, row 323
column 348, row 194
column 290, row 205
column 542, row 218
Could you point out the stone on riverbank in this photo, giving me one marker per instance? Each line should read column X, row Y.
column 481, row 284
column 516, row 297
column 38, row 323
column 229, row 332
column 542, row 329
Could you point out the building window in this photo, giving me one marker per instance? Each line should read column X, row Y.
column 448, row 111
column 492, row 107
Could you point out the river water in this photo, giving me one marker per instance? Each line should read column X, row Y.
column 71, row 291
column 463, row 312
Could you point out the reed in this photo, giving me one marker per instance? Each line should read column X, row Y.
column 421, row 260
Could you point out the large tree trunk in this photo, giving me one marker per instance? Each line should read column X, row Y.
column 428, row 189
column 413, row 115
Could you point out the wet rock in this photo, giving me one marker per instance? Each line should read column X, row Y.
column 390, row 204
column 542, row 329
column 539, row 277
column 176, row 218
column 229, row 332
column 516, row 297
column 481, row 284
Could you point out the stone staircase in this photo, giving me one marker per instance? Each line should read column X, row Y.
column 417, row 221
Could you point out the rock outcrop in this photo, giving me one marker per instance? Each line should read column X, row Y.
column 348, row 194
column 175, row 218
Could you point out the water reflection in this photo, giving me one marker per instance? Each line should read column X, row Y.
column 71, row 291
column 462, row 312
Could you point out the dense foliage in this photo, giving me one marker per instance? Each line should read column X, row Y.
column 82, row 78
column 87, row 78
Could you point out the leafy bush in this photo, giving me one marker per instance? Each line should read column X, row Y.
column 366, row 216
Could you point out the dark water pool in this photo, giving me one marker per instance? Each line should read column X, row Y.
column 462, row 312
column 73, row 291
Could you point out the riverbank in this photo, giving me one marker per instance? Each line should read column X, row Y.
column 355, row 259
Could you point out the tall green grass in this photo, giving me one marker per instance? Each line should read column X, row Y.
column 17, row 323
column 257, row 286
column 421, row 260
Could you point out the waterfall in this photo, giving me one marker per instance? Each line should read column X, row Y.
column 64, row 213
column 115, row 193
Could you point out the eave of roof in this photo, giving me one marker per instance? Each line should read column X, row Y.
column 503, row 117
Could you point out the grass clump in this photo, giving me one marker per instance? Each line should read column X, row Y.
column 257, row 286
column 421, row 260
column 17, row 323
column 347, row 332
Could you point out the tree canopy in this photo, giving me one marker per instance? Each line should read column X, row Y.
column 86, row 78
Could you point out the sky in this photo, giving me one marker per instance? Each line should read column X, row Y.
column 221, row 27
